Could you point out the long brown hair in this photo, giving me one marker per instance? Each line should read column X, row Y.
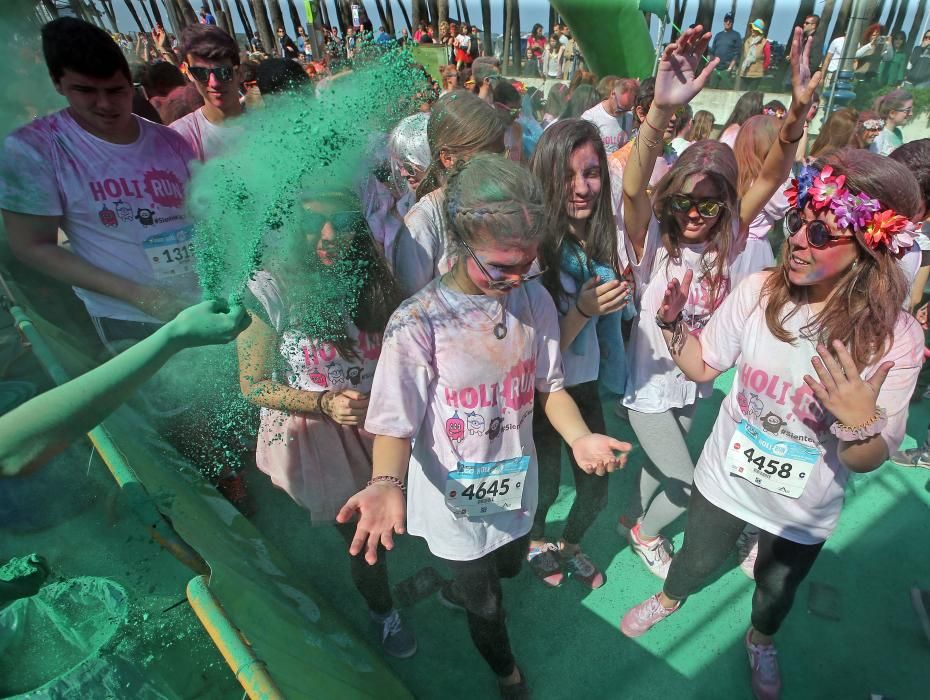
column 717, row 164
column 551, row 164
column 867, row 298
column 702, row 125
column 461, row 124
column 752, row 145
column 837, row 132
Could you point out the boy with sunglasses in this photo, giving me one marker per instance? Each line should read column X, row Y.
column 210, row 60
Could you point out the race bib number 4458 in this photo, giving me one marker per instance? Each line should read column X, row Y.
column 477, row 489
column 780, row 466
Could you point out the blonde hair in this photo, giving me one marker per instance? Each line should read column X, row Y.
column 460, row 125
column 702, row 125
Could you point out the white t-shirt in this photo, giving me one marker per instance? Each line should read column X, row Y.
column 759, row 253
column 420, row 250
column 205, row 138
column 122, row 205
column 679, row 144
column 769, row 392
column 655, row 383
column 312, row 364
column 463, row 41
column 836, row 48
column 613, row 129
column 461, row 394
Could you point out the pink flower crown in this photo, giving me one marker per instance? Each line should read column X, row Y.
column 882, row 228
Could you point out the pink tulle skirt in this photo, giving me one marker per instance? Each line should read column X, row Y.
column 318, row 462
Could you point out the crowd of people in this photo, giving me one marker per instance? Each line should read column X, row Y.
column 521, row 259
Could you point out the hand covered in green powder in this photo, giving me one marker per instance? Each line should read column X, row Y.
column 596, row 454
column 210, row 322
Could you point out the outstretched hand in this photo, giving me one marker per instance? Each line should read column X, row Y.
column 851, row 399
column 675, row 298
column 596, row 454
column 678, row 79
column 382, row 510
column 803, row 83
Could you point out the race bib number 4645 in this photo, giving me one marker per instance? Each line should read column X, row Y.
column 477, row 489
column 780, row 466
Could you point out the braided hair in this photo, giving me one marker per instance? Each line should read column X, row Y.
column 490, row 196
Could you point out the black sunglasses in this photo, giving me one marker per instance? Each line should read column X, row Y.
column 818, row 233
column 342, row 221
column 496, row 284
column 222, row 73
column 707, row 208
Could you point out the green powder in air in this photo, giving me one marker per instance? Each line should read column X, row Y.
column 19, row 567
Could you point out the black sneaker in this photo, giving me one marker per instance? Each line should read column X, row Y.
column 396, row 640
column 449, row 598
column 515, row 691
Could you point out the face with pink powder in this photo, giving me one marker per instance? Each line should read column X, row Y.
column 809, row 266
column 492, row 261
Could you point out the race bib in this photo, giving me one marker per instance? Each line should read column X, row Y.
column 780, row 466
column 477, row 489
column 171, row 253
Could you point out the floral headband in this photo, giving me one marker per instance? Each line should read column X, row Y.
column 873, row 124
column 882, row 228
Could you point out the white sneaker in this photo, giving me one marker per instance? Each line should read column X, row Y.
column 656, row 554
column 747, row 549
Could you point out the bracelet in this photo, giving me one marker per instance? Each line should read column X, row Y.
column 322, row 408
column 678, row 330
column 872, row 427
column 578, row 308
column 651, row 126
column 386, row 479
column 786, row 141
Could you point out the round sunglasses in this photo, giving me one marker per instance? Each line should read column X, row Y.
column 818, row 233
column 495, row 283
column 707, row 208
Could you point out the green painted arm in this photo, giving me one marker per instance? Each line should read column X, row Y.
column 33, row 432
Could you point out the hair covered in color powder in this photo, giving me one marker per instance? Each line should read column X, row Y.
column 491, row 197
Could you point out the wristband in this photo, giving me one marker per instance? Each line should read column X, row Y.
column 678, row 330
column 872, row 427
column 386, row 479
column 653, row 127
column 786, row 141
column 321, row 405
column 578, row 308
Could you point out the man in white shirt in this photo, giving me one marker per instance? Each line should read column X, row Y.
column 614, row 116
column 113, row 182
column 210, row 60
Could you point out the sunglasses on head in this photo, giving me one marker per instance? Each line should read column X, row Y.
column 222, row 73
column 818, row 233
column 496, row 284
column 707, row 208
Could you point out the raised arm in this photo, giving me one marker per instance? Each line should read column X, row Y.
column 677, row 82
column 781, row 155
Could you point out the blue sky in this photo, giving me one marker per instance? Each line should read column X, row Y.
column 532, row 11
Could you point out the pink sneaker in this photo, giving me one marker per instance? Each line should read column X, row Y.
column 640, row 618
column 656, row 553
column 747, row 549
column 763, row 663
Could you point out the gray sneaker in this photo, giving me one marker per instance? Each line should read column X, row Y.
column 914, row 457
column 396, row 640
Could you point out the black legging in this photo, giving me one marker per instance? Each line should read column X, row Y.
column 370, row 580
column 590, row 489
column 711, row 534
column 478, row 582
